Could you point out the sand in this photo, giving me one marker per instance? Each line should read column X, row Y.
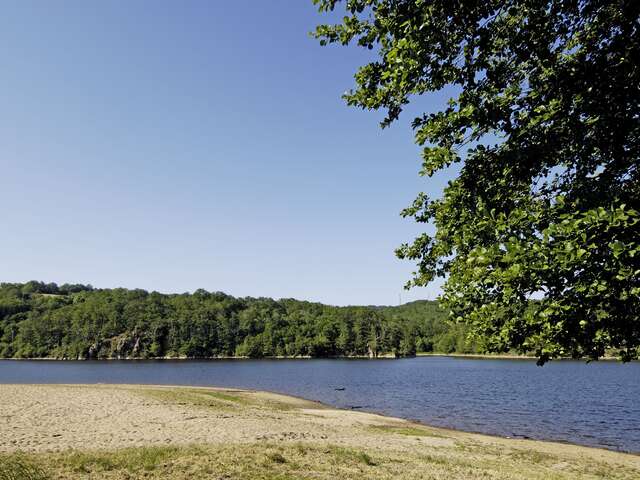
column 39, row 418
column 57, row 418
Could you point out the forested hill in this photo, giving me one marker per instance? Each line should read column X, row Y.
column 40, row 320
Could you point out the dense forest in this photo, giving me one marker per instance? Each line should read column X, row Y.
column 39, row 320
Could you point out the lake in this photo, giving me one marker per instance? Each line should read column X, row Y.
column 596, row 404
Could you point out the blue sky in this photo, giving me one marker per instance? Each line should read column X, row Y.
column 178, row 145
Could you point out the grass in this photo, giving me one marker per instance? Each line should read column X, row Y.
column 250, row 461
column 411, row 431
column 147, row 459
column 220, row 400
column 271, row 461
column 17, row 467
column 196, row 397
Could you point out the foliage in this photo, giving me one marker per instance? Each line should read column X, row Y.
column 538, row 236
column 18, row 467
column 120, row 323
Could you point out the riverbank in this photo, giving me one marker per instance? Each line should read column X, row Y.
column 118, row 431
column 480, row 356
column 510, row 356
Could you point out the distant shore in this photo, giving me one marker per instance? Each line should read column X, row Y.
column 508, row 356
column 116, row 431
column 498, row 356
column 236, row 357
column 472, row 356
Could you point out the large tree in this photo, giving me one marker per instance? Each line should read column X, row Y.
column 538, row 234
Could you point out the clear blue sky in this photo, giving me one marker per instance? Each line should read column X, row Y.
column 177, row 145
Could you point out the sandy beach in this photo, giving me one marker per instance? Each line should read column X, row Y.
column 47, row 423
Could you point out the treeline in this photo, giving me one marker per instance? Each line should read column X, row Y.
column 39, row 320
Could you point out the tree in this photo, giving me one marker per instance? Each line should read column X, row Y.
column 538, row 234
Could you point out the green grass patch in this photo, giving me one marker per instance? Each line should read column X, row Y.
column 260, row 461
column 131, row 460
column 196, row 397
column 306, row 461
column 534, row 456
column 220, row 400
column 352, row 456
column 276, row 457
column 18, row 467
column 408, row 431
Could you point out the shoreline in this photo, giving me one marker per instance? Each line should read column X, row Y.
column 469, row 356
column 321, row 405
column 54, row 426
column 326, row 406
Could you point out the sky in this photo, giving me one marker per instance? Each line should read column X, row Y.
column 173, row 146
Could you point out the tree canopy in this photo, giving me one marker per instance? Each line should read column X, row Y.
column 44, row 320
column 538, row 234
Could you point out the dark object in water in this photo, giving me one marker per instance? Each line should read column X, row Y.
column 339, row 389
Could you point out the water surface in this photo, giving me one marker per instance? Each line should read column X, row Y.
column 595, row 404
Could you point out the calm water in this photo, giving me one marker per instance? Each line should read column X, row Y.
column 596, row 404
